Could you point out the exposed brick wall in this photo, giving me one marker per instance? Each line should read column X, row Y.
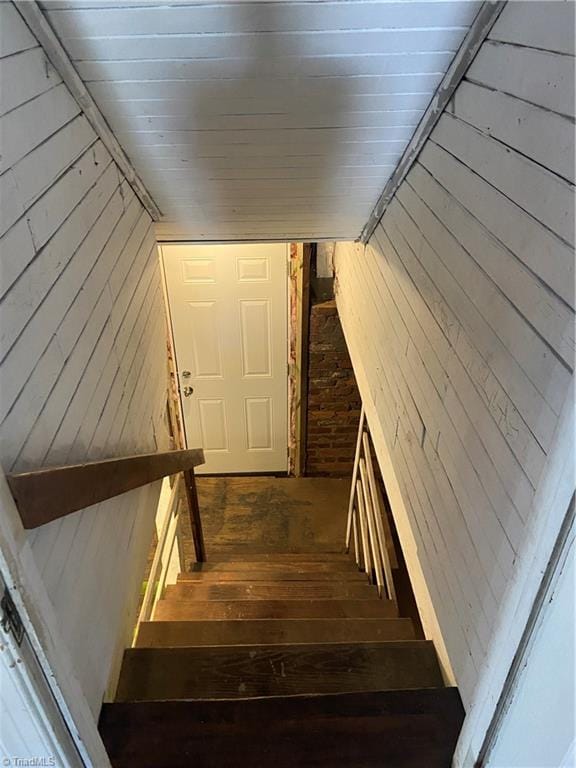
column 333, row 398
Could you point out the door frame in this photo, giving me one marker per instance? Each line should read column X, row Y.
column 47, row 679
column 294, row 393
column 174, row 394
column 298, row 333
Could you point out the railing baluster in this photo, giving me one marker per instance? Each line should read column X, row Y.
column 378, row 512
column 365, row 524
column 354, row 478
column 157, row 562
column 367, row 566
column 372, row 535
column 194, row 512
column 355, row 536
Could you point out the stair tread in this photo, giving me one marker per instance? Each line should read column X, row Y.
column 269, row 631
column 398, row 729
column 271, row 591
column 232, row 554
column 276, row 670
column 190, row 610
column 220, row 577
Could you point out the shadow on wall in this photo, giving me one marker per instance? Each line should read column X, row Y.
column 255, row 137
column 261, row 136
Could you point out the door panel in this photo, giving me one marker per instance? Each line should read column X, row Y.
column 228, row 306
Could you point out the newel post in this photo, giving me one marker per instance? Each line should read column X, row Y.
column 194, row 512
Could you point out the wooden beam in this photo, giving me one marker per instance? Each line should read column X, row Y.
column 35, row 19
column 478, row 32
column 48, row 494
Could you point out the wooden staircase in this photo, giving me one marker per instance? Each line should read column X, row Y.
column 280, row 660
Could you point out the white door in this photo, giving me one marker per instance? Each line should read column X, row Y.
column 228, row 306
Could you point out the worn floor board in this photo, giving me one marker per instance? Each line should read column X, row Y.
column 171, row 634
column 270, row 515
column 287, row 670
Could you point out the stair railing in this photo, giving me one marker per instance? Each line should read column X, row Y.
column 48, row 494
column 167, row 530
column 365, row 527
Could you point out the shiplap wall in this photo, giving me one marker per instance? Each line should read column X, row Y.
column 262, row 120
column 459, row 315
column 82, row 344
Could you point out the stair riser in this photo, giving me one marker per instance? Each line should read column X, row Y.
column 313, row 556
column 250, row 671
column 339, row 566
column 222, row 577
column 193, row 610
column 264, row 632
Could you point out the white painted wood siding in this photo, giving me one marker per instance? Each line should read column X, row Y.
column 251, row 120
column 459, row 315
column 82, row 345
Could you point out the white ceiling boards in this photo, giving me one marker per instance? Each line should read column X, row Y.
column 262, row 120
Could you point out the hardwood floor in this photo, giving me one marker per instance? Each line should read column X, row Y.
column 270, row 515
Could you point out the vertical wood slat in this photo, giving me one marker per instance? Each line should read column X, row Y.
column 194, row 511
column 366, row 563
column 354, row 478
column 365, row 512
column 369, row 507
column 149, row 594
column 378, row 513
column 355, row 538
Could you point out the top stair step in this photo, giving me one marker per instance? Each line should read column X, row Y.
column 278, row 670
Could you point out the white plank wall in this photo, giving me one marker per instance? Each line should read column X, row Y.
column 82, row 345
column 460, row 315
column 274, row 120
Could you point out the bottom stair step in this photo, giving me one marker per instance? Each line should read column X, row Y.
column 277, row 670
column 386, row 729
column 170, row 634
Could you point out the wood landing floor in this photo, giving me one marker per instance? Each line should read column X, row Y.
column 269, row 514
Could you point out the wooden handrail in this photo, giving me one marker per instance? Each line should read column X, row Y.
column 48, row 494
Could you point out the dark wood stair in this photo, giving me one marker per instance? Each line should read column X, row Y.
column 150, row 674
column 280, row 660
column 387, row 729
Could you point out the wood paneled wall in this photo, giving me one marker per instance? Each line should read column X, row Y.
column 459, row 315
column 262, row 120
column 82, row 344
